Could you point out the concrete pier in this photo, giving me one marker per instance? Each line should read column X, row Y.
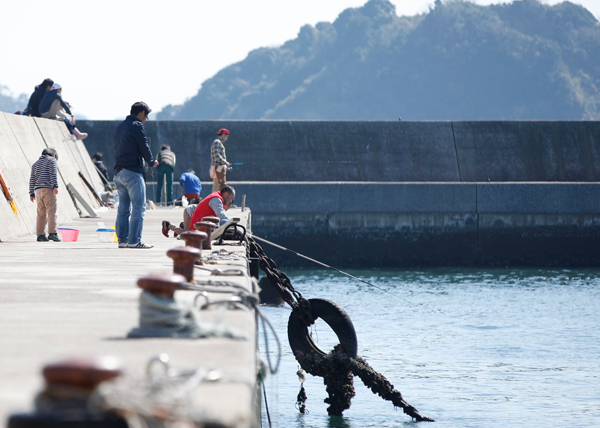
column 80, row 298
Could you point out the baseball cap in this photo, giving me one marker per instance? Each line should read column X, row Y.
column 56, row 86
column 223, row 131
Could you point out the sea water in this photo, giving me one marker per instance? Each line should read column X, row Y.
column 467, row 347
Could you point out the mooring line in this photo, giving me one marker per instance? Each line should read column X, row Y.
column 322, row 264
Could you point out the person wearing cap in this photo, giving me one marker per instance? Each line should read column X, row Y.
column 52, row 106
column 132, row 147
column 219, row 163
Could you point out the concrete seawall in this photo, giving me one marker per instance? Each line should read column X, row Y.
column 22, row 140
column 428, row 224
column 362, row 194
column 377, row 150
column 373, row 193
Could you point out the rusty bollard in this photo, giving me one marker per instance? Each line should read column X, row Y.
column 64, row 401
column 183, row 261
column 212, row 219
column 206, row 227
column 194, row 239
column 84, row 373
column 162, row 284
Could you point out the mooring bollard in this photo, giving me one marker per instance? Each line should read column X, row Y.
column 212, row 219
column 206, row 227
column 194, row 239
column 64, row 401
column 183, row 261
column 162, row 284
column 84, row 373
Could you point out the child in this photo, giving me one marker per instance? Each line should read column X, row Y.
column 43, row 186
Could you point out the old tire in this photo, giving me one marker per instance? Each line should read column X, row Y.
column 335, row 317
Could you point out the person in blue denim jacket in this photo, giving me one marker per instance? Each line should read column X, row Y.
column 132, row 146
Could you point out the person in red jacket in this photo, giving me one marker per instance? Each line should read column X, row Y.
column 215, row 205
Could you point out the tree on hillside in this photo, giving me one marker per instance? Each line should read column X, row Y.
column 459, row 61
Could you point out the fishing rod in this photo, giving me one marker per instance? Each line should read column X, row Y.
column 312, row 161
column 320, row 263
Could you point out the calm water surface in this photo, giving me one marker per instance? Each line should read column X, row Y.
column 467, row 347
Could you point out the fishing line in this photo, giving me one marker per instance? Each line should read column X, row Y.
column 323, row 264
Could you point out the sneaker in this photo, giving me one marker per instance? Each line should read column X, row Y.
column 42, row 238
column 141, row 245
column 165, row 228
column 53, row 237
column 123, row 245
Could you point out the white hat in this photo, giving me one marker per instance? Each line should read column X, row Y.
column 56, row 86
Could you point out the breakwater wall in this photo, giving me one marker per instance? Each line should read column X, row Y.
column 22, row 140
column 362, row 194
column 378, row 151
column 428, row 224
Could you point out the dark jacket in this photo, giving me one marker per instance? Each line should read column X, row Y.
column 131, row 145
column 33, row 106
column 102, row 170
column 48, row 99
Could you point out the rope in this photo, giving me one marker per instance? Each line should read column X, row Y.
column 165, row 317
column 159, row 401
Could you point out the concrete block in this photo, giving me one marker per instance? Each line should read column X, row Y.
column 528, row 151
column 298, row 197
column 303, row 150
column 538, row 198
column 15, row 170
column 68, row 168
column 31, row 144
column 83, row 160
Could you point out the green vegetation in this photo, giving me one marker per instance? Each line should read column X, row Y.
column 460, row 61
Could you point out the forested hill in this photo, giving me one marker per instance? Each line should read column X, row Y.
column 460, row 61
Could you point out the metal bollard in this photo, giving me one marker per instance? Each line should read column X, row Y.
column 162, row 284
column 183, row 261
column 212, row 219
column 206, row 227
column 64, row 401
column 194, row 238
column 83, row 373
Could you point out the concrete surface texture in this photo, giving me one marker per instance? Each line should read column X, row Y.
column 65, row 299
column 378, row 151
column 428, row 224
column 22, row 140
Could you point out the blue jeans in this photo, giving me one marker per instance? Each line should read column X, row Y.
column 132, row 202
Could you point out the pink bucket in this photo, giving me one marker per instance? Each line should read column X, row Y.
column 68, row 235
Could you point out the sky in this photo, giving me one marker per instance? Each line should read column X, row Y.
column 109, row 54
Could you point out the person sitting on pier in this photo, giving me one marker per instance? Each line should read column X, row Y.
column 33, row 106
column 52, row 106
column 215, row 205
column 188, row 212
column 190, row 186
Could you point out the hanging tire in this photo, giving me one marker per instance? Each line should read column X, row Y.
column 335, row 317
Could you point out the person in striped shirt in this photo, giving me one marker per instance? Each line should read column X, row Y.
column 43, row 187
